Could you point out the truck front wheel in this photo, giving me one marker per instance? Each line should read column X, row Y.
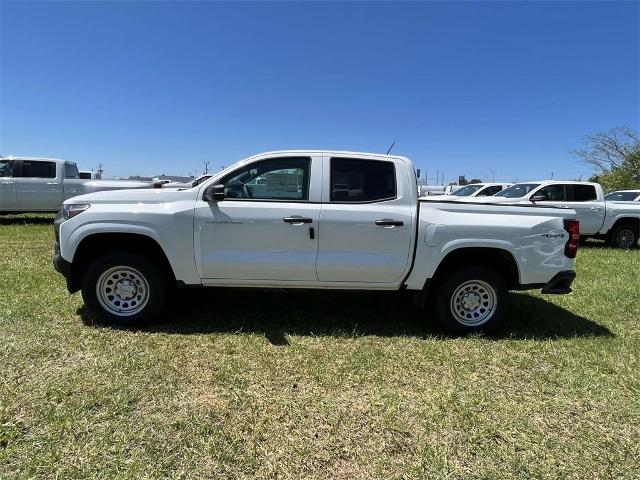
column 124, row 289
column 472, row 299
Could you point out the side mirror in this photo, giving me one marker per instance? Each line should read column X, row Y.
column 538, row 198
column 214, row 193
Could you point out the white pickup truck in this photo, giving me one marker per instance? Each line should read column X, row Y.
column 42, row 184
column 616, row 222
column 284, row 220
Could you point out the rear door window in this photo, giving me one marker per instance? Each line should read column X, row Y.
column 362, row 181
column 38, row 169
column 584, row 193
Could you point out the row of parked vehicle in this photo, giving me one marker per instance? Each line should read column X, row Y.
column 613, row 217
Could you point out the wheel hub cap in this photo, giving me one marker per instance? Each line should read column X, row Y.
column 470, row 301
column 625, row 238
column 122, row 291
column 473, row 303
column 125, row 289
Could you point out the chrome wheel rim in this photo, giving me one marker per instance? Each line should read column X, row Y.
column 122, row 291
column 625, row 238
column 473, row 303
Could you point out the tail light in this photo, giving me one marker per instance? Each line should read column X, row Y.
column 573, row 228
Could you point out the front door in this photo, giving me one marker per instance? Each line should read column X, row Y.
column 7, row 186
column 366, row 222
column 266, row 227
column 38, row 186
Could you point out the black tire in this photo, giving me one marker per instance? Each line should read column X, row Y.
column 624, row 236
column 144, row 285
column 486, row 300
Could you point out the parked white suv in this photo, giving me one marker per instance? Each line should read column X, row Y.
column 474, row 190
column 311, row 219
column 623, row 196
column 617, row 223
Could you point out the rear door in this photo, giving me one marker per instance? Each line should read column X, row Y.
column 38, row 186
column 581, row 198
column 8, row 201
column 366, row 222
column 591, row 211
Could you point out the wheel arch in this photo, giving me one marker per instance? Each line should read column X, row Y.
column 96, row 243
column 635, row 222
column 494, row 258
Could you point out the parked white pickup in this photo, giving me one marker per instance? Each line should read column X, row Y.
column 311, row 219
column 42, row 184
column 616, row 222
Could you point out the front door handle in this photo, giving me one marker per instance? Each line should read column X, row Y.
column 297, row 220
column 7, row 183
column 52, row 183
column 389, row 222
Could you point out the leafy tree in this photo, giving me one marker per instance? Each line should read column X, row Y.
column 615, row 155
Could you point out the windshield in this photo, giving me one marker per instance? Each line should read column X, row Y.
column 622, row 196
column 518, row 190
column 466, row 191
column 200, row 179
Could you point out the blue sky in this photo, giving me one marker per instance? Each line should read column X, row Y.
column 150, row 88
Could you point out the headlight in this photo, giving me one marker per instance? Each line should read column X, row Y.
column 71, row 210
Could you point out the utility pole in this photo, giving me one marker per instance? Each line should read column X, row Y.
column 206, row 167
column 100, row 170
column 493, row 175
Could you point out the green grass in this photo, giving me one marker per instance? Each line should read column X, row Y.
column 244, row 384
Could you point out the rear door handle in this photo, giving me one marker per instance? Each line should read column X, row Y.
column 52, row 183
column 389, row 222
column 297, row 220
column 7, row 183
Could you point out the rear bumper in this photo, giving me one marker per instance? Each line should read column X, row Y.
column 560, row 284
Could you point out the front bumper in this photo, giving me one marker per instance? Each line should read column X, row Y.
column 60, row 264
column 560, row 284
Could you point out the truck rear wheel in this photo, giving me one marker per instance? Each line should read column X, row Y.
column 472, row 299
column 123, row 288
column 624, row 236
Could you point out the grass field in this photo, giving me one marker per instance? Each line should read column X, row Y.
column 243, row 384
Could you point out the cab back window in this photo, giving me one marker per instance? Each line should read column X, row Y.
column 71, row 170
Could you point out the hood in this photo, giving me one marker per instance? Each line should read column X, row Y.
column 148, row 195
column 494, row 200
column 439, row 197
column 113, row 184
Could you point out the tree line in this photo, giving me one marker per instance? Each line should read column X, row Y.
column 615, row 157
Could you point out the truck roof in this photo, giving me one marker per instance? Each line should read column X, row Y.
column 11, row 157
column 573, row 182
column 327, row 152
